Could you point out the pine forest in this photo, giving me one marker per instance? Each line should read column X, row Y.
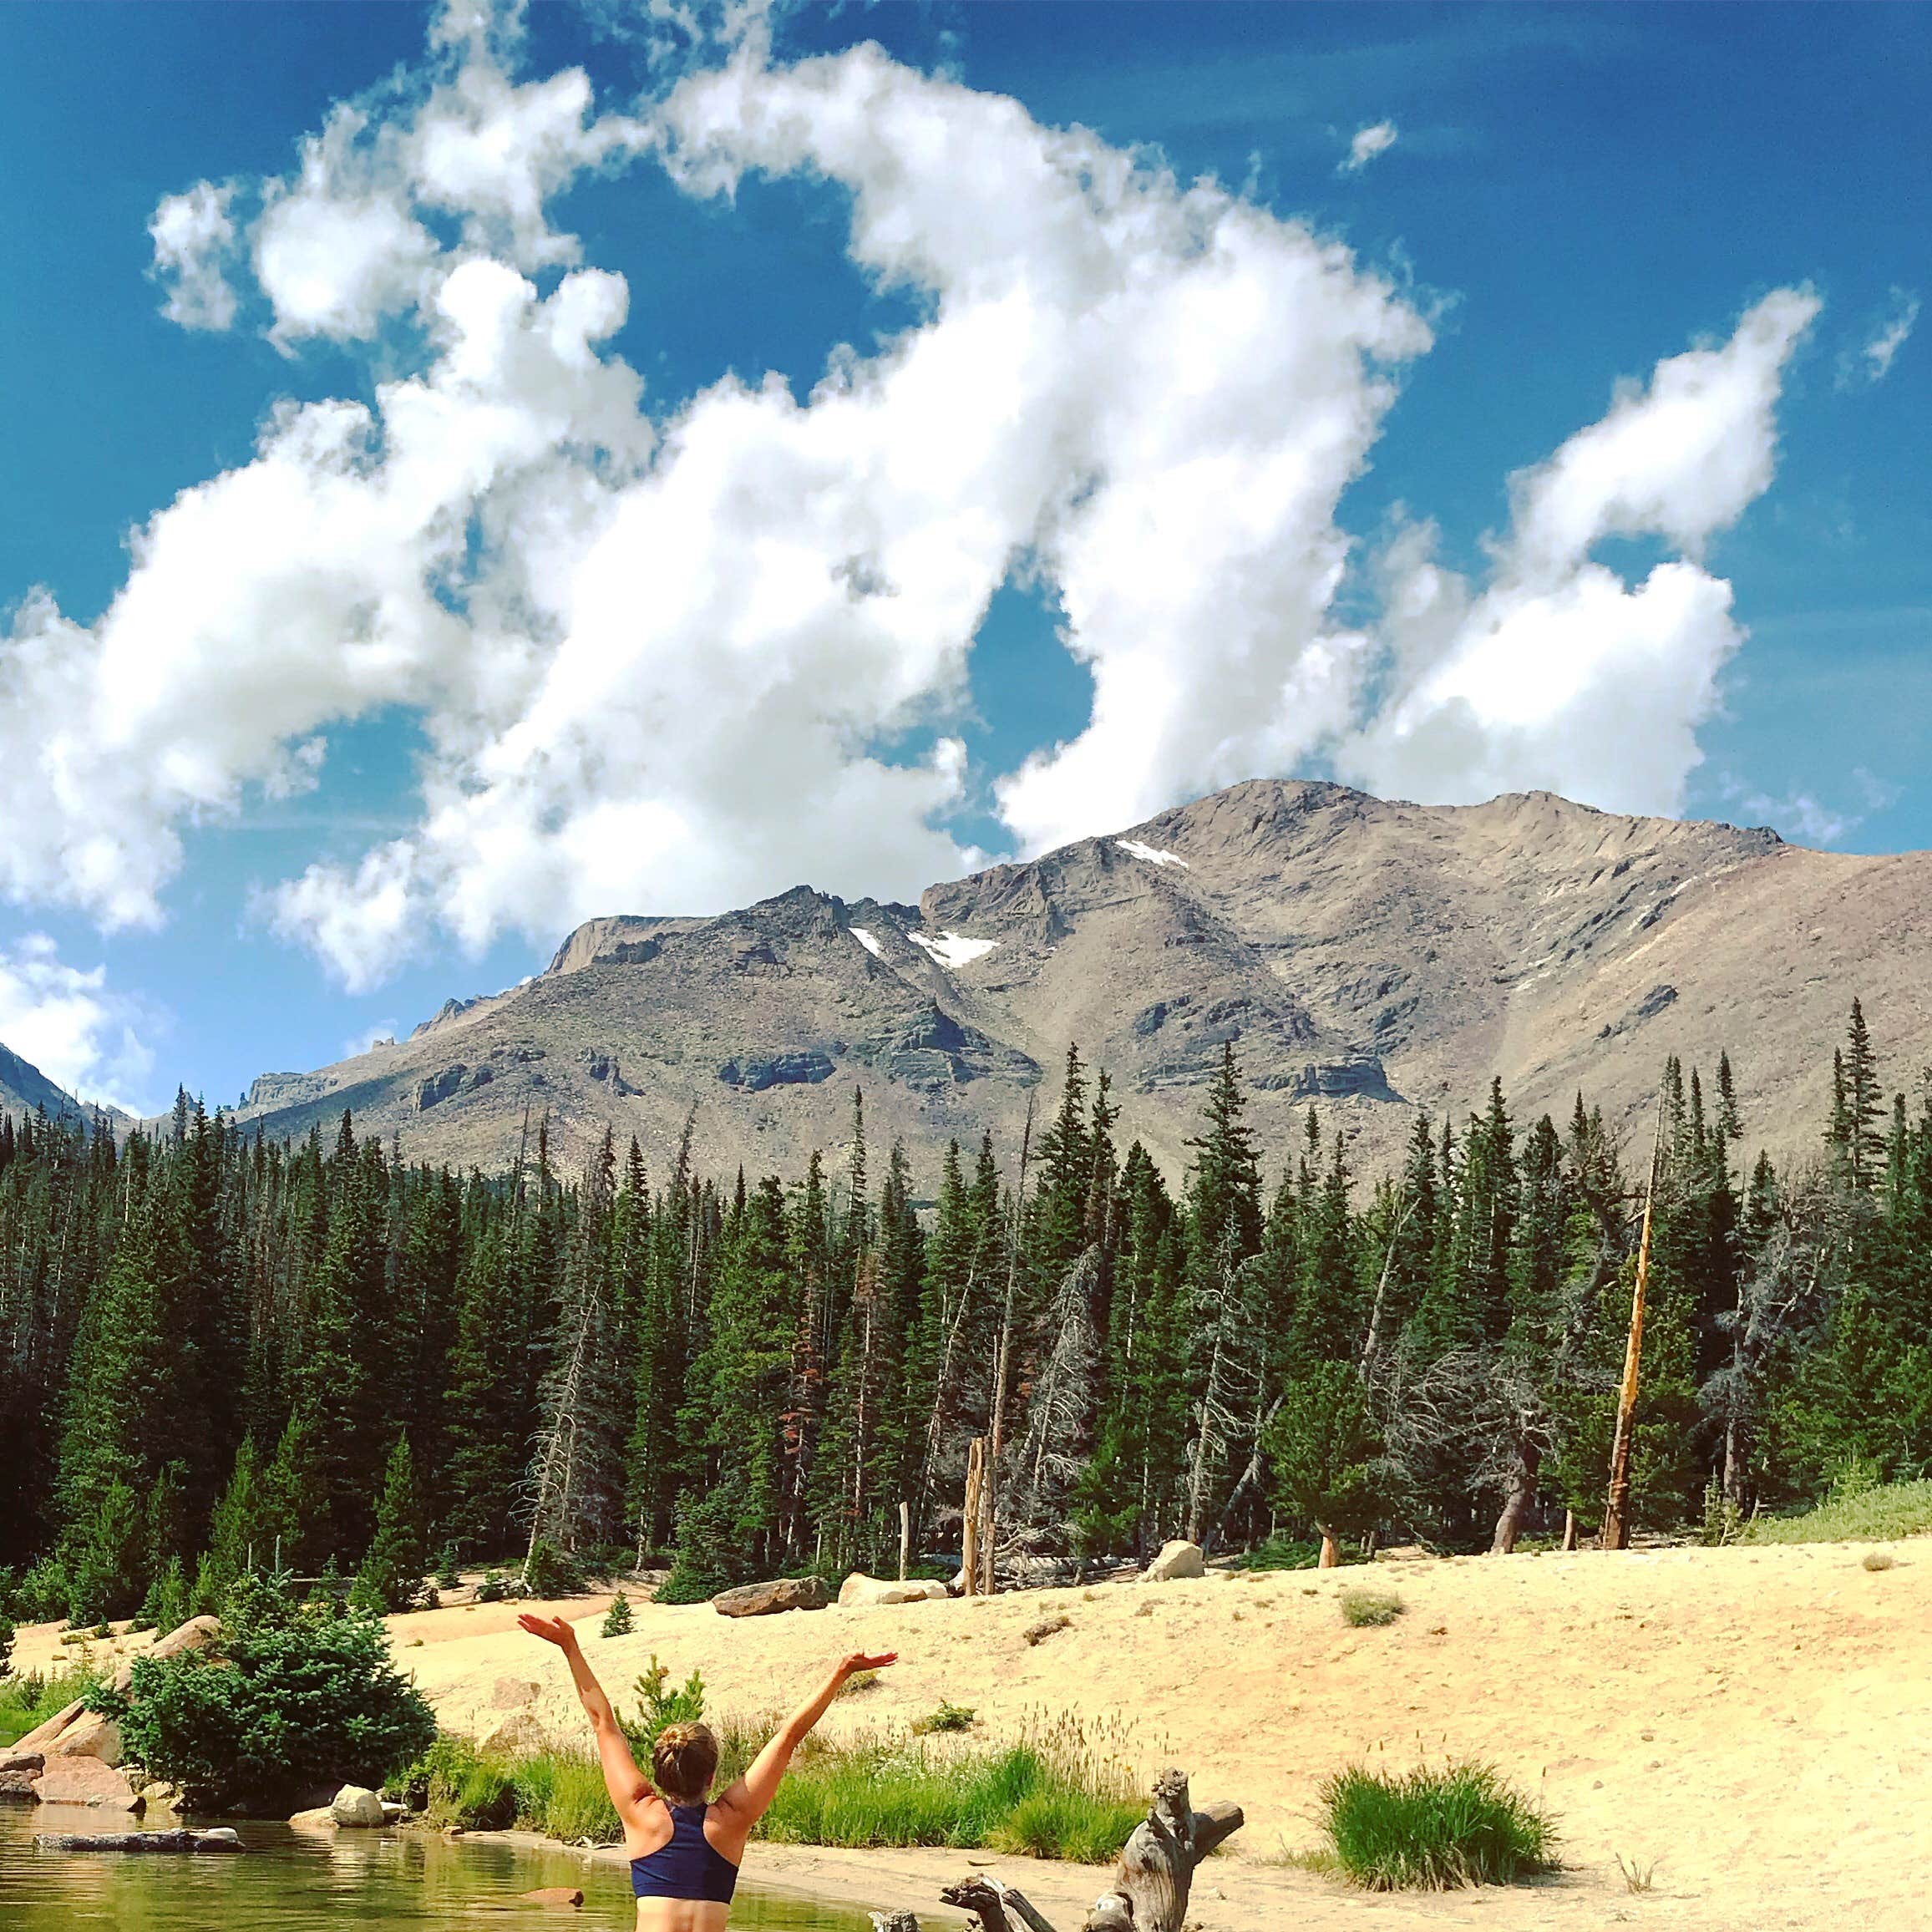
column 220, row 1353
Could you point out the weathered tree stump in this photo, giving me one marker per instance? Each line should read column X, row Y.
column 1151, row 1883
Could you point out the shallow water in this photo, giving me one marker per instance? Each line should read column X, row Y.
column 291, row 1881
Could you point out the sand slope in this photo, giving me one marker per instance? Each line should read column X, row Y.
column 1755, row 1723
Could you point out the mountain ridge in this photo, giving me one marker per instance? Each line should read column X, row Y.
column 1376, row 956
column 24, row 1089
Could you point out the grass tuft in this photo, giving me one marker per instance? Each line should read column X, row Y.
column 1878, row 1560
column 1433, row 1830
column 949, row 1716
column 1636, row 1878
column 1854, row 1511
column 1365, row 1609
column 1046, row 1627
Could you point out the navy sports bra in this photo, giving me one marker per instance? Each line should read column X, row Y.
column 689, row 1866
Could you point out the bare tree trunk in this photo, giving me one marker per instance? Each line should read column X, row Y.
column 1002, row 1368
column 1517, row 1495
column 1149, row 1888
column 1569, row 1529
column 905, row 1539
column 1331, row 1557
column 1372, row 1341
column 969, row 1515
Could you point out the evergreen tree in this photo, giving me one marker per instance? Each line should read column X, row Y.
column 392, row 1571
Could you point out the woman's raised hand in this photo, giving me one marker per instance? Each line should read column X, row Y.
column 852, row 1665
column 551, row 1630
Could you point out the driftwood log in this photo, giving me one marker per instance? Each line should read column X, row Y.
column 1151, row 1883
column 221, row 1839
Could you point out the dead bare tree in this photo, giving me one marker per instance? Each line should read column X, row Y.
column 1150, row 1886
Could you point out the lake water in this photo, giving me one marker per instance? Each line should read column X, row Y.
column 291, row 1881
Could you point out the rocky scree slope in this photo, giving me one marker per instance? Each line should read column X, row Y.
column 1376, row 956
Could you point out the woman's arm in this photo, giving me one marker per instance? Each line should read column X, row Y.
column 630, row 1790
column 750, row 1798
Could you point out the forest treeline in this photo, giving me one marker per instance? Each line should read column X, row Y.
column 216, row 1347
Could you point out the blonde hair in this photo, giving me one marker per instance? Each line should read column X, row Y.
column 684, row 1759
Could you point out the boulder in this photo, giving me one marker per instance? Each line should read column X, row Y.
column 513, row 1693
column 861, row 1590
column 392, row 1812
column 19, row 1784
column 356, row 1804
column 44, row 1733
column 518, row 1734
column 1176, row 1559
column 90, row 1735
column 765, row 1600
column 85, row 1780
column 566, row 1896
column 318, row 1817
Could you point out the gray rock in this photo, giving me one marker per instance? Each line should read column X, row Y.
column 754, row 1075
column 765, row 1600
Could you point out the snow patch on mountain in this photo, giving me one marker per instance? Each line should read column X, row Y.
column 953, row 950
column 1152, row 854
column 867, row 940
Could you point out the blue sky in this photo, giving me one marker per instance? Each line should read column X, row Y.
column 1572, row 197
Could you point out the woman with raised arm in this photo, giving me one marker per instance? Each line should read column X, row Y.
column 685, row 1847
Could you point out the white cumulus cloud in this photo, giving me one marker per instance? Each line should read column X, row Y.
column 1558, row 673
column 64, row 1021
column 655, row 659
column 1870, row 363
column 193, row 234
column 1367, row 143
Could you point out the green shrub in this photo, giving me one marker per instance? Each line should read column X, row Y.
column 7, row 1634
column 447, row 1577
column 617, row 1618
column 455, row 1784
column 949, row 1716
column 493, row 1588
column 1365, row 1609
column 658, row 1706
column 294, row 1700
column 42, row 1595
column 685, row 1585
column 1433, row 1830
column 548, row 1572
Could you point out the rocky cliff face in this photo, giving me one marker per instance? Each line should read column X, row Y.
column 1375, row 957
column 23, row 1089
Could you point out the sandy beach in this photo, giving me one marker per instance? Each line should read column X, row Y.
column 1754, row 1726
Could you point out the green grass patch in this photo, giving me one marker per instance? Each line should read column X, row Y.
column 1366, row 1609
column 1021, row 1797
column 1433, row 1830
column 28, row 1700
column 1052, row 1797
column 1853, row 1513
